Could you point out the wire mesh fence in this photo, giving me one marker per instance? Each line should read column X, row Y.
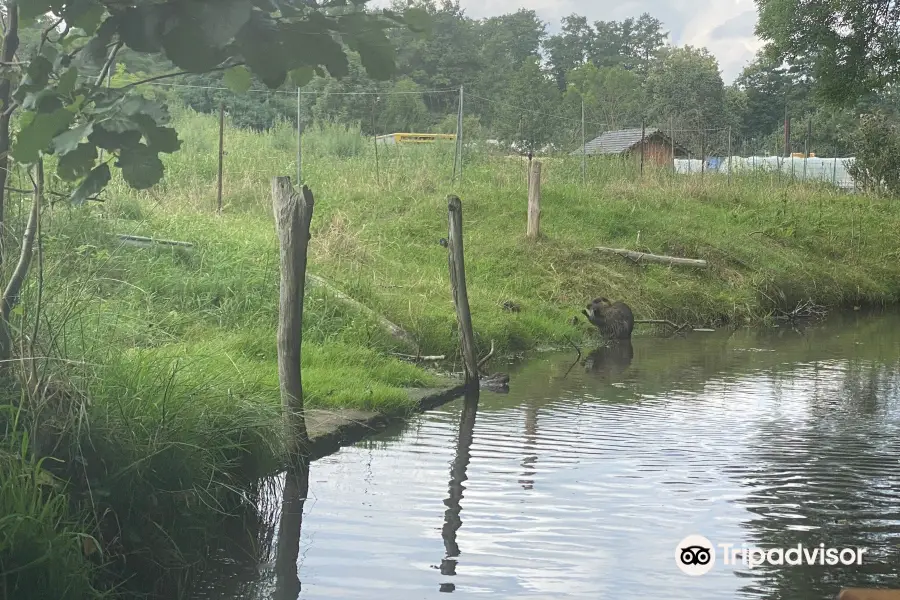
column 460, row 126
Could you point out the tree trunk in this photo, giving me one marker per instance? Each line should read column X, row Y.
column 10, row 296
column 7, row 53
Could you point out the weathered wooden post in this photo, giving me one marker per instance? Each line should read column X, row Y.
column 458, row 290
column 533, row 229
column 293, row 214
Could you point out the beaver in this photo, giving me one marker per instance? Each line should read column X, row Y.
column 613, row 319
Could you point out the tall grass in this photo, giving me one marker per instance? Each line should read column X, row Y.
column 42, row 547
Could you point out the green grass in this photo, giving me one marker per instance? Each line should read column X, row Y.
column 161, row 406
column 375, row 234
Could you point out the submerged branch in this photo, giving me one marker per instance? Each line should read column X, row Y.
column 486, row 358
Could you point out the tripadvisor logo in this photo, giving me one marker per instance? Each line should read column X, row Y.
column 696, row 555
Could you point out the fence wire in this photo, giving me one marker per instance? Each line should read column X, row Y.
column 520, row 126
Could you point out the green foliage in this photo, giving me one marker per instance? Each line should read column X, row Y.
column 876, row 146
column 528, row 128
column 686, row 85
column 403, row 109
column 41, row 551
column 849, row 46
column 245, row 39
column 612, row 93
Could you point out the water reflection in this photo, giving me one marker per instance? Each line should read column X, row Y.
column 296, row 487
column 530, row 458
column 452, row 520
column 580, row 483
column 611, row 360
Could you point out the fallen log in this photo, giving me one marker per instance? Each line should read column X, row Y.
column 146, row 242
column 395, row 330
column 678, row 328
column 657, row 258
column 435, row 358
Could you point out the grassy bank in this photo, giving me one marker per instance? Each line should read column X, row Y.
column 161, row 398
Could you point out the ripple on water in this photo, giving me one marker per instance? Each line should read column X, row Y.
column 583, row 492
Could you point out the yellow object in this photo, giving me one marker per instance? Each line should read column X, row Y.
column 798, row 155
column 414, row 138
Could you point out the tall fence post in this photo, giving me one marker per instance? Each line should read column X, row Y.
column 458, row 290
column 533, row 228
column 299, row 143
column 702, row 152
column 583, row 149
column 672, row 139
column 806, row 145
column 729, row 155
column 457, row 157
column 293, row 214
column 375, row 137
column 221, row 156
column 643, row 144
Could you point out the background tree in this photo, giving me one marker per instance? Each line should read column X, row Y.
column 569, row 49
column 527, row 121
column 685, row 88
column 852, row 46
column 611, row 94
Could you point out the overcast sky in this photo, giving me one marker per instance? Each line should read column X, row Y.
column 725, row 27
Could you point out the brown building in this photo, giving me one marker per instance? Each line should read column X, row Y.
column 659, row 148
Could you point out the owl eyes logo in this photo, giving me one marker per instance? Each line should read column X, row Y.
column 695, row 555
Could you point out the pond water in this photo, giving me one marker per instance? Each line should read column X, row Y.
column 583, row 480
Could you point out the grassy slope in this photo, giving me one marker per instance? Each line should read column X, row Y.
column 769, row 244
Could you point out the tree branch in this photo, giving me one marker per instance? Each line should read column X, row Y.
column 109, row 62
column 7, row 53
column 46, row 34
column 176, row 74
column 11, row 295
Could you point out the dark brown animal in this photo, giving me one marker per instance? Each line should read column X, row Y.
column 614, row 319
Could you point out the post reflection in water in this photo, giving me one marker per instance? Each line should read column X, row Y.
column 528, row 461
column 296, row 487
column 452, row 520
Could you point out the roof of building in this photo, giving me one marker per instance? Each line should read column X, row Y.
column 617, row 142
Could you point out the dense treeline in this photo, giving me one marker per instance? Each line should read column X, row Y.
column 525, row 87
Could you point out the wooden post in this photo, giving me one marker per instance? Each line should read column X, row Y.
column 702, row 151
column 806, row 145
column 458, row 290
column 533, row 228
column 221, row 155
column 672, row 134
column 293, row 214
column 729, row 155
column 643, row 143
